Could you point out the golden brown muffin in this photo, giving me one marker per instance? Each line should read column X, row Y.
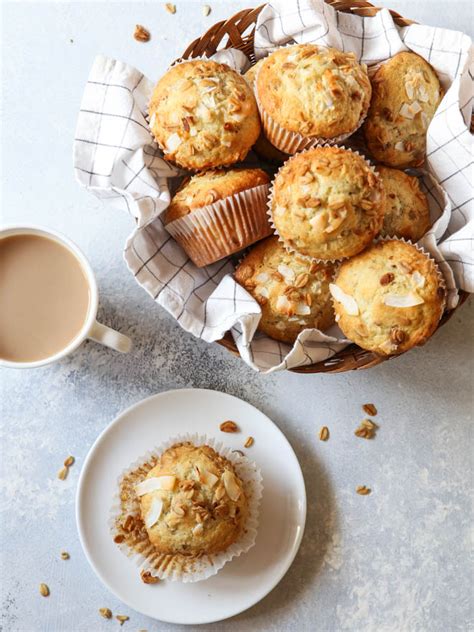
column 210, row 186
column 314, row 91
column 389, row 298
column 327, row 203
column 292, row 291
column 263, row 146
column 203, row 115
column 192, row 502
column 209, row 223
column 406, row 93
column 407, row 213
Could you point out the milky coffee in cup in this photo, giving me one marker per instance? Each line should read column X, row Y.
column 44, row 297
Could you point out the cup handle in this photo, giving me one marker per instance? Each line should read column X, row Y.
column 109, row 337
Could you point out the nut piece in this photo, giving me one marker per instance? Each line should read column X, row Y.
column 386, row 278
column 366, row 429
column 363, row 490
column 65, row 555
column 171, row 8
column 206, row 9
column 122, row 618
column 324, row 433
column 141, row 34
column 119, row 538
column 44, row 590
column 249, row 443
column 69, row 461
column 62, row 474
column 105, row 612
column 148, row 578
column 229, row 426
column 369, row 409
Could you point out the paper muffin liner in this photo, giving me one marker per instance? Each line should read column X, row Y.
column 293, row 142
column 270, row 201
column 136, row 544
column 224, row 227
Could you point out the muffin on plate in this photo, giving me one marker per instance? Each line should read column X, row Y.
column 407, row 213
column 406, row 93
column 192, row 502
column 217, row 213
column 203, row 114
column 389, row 298
column 327, row 203
column 263, row 146
column 292, row 291
column 307, row 93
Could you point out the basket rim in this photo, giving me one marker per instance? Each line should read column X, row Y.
column 234, row 27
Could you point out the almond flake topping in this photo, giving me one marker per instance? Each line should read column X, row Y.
column 262, row 277
column 409, row 111
column 348, row 302
column 173, row 142
column 154, row 484
column 286, row 272
column 231, row 486
column 400, row 300
column 154, row 514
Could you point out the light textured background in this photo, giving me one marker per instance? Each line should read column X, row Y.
column 397, row 560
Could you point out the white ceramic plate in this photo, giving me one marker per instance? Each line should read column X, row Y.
column 245, row 580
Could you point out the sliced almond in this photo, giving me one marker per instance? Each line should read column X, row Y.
column 154, row 513
column 220, row 490
column 348, row 302
column 153, row 484
column 231, row 486
column 400, row 300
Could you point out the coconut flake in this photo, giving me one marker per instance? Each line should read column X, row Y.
column 263, row 291
column 279, row 210
column 152, row 119
column 154, row 514
column 199, row 528
column 423, row 94
column 231, row 486
column 287, row 272
column 173, row 142
column 418, row 279
column 302, row 309
column 403, row 300
column 409, row 111
column 348, row 302
column 425, row 120
column 282, row 304
column 399, row 146
column 208, row 478
column 262, row 277
column 409, row 90
column 153, row 484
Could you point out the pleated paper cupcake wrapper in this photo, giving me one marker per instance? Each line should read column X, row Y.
column 270, row 201
column 442, row 283
column 186, row 569
column 220, row 229
column 293, row 142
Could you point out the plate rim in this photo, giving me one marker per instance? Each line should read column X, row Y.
column 79, row 493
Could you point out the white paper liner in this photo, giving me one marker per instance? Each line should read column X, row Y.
column 188, row 569
column 292, row 142
column 270, row 201
column 217, row 230
column 441, row 280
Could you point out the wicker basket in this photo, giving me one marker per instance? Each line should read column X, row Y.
column 238, row 32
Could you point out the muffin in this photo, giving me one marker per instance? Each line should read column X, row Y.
column 406, row 93
column 327, row 203
column 192, row 502
column 407, row 213
column 307, row 93
column 217, row 213
column 292, row 291
column 389, row 298
column 263, row 146
column 203, row 114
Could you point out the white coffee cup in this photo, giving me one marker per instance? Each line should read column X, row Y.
column 91, row 329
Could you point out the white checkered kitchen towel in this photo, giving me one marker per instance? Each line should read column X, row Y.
column 116, row 158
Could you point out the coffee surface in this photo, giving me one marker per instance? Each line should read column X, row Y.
column 44, row 297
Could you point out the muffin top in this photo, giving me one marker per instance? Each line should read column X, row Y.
column 203, row 114
column 407, row 213
column 314, row 91
column 251, row 73
column 192, row 502
column 389, row 298
column 292, row 291
column 406, row 93
column 327, row 203
column 208, row 187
